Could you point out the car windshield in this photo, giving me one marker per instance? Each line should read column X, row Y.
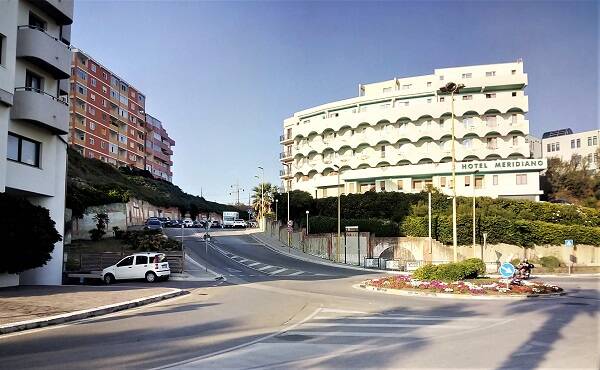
column 153, row 222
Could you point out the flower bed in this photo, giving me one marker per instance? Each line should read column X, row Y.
column 486, row 287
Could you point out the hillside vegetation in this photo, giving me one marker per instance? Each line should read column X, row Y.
column 91, row 182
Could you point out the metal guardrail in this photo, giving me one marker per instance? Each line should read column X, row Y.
column 24, row 88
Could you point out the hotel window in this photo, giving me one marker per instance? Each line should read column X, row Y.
column 513, row 72
column 595, row 140
column 417, row 185
column 23, row 150
column 589, row 141
column 92, row 126
column 81, row 89
column 90, row 154
column 573, row 144
column 102, row 144
column 521, row 179
column 34, row 82
column 579, row 143
column 428, row 100
column 442, row 78
column 123, row 87
column 383, row 151
column 467, row 97
column 387, row 90
column 93, row 97
column 443, row 181
column 37, row 22
column 468, row 143
column 93, row 67
column 467, row 75
column 515, row 140
column 490, row 121
column 490, row 96
column 492, row 143
column 104, row 89
column 91, row 110
column 478, row 182
column 91, row 141
column 548, row 148
column 513, row 118
column 490, row 74
column 400, row 185
column 2, row 51
column 468, row 122
column 467, row 181
column 104, row 75
column 382, row 185
column 495, row 180
column 93, row 81
column 104, row 103
column 514, row 93
column 441, row 98
column 557, row 147
column 428, row 84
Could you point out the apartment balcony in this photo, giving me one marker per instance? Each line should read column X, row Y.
column 284, row 139
column 41, row 108
column 285, row 173
column 45, row 51
column 60, row 10
column 286, row 156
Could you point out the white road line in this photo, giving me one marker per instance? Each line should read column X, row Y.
column 243, row 260
column 277, row 271
column 254, row 264
column 297, row 273
column 349, row 334
column 341, row 311
column 265, row 267
column 439, row 326
column 415, row 318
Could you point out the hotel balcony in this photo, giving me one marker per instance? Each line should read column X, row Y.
column 285, row 156
column 47, row 52
column 284, row 139
column 41, row 108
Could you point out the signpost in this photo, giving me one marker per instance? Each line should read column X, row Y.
column 569, row 244
column 290, row 228
column 507, row 270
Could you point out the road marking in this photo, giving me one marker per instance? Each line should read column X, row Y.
column 297, row 273
column 265, row 267
column 277, row 271
column 243, row 260
column 342, row 311
column 254, row 264
column 440, row 326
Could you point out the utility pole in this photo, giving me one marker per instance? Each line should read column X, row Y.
column 236, row 190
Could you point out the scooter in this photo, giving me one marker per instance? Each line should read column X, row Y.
column 524, row 271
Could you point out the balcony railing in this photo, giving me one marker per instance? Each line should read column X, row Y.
column 44, row 50
column 285, row 137
column 284, row 155
column 38, row 106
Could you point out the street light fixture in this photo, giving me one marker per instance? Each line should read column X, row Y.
column 276, row 209
column 453, row 88
column 262, row 193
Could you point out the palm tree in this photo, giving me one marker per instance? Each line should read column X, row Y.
column 268, row 190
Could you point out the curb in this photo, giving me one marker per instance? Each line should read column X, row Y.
column 83, row 314
column 330, row 264
column 216, row 275
column 408, row 293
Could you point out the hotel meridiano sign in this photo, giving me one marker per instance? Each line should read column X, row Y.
column 502, row 165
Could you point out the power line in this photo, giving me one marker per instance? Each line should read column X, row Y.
column 236, row 190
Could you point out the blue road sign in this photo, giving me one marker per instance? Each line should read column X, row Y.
column 569, row 243
column 507, row 270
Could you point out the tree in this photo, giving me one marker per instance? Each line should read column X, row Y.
column 574, row 181
column 300, row 202
column 268, row 190
column 28, row 235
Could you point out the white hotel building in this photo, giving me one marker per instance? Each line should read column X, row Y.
column 35, row 66
column 396, row 136
column 578, row 146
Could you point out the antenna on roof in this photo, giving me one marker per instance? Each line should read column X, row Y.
column 520, row 60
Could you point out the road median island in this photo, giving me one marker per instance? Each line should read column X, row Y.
column 29, row 307
column 478, row 288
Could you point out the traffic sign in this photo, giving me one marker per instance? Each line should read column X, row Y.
column 507, row 270
column 569, row 243
column 290, row 223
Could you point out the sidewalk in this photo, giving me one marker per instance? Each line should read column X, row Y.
column 27, row 307
column 279, row 247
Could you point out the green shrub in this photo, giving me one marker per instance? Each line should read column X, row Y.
column 96, row 234
column 321, row 224
column 468, row 269
column 515, row 261
column 27, row 234
column 550, row 261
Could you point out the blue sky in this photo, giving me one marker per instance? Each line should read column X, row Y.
column 222, row 76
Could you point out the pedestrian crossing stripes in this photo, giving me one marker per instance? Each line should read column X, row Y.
column 331, row 326
column 264, row 268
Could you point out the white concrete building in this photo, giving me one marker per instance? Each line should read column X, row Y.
column 567, row 145
column 396, row 136
column 35, row 64
column 535, row 146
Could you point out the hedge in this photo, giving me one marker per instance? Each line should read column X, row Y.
column 321, row 224
column 524, row 233
column 468, row 269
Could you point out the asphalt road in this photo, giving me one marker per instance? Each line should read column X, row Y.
column 282, row 313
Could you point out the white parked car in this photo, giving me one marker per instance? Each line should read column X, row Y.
column 188, row 222
column 150, row 266
column 239, row 223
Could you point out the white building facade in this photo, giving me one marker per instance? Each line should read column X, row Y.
column 397, row 136
column 578, row 146
column 35, row 64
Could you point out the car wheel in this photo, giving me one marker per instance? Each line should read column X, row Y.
column 109, row 279
column 150, row 277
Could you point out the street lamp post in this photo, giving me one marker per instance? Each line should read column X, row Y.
column 276, row 209
column 307, row 212
column 339, row 233
column 474, row 173
column 453, row 88
column 262, row 193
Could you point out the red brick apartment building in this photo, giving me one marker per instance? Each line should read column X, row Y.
column 158, row 149
column 108, row 119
